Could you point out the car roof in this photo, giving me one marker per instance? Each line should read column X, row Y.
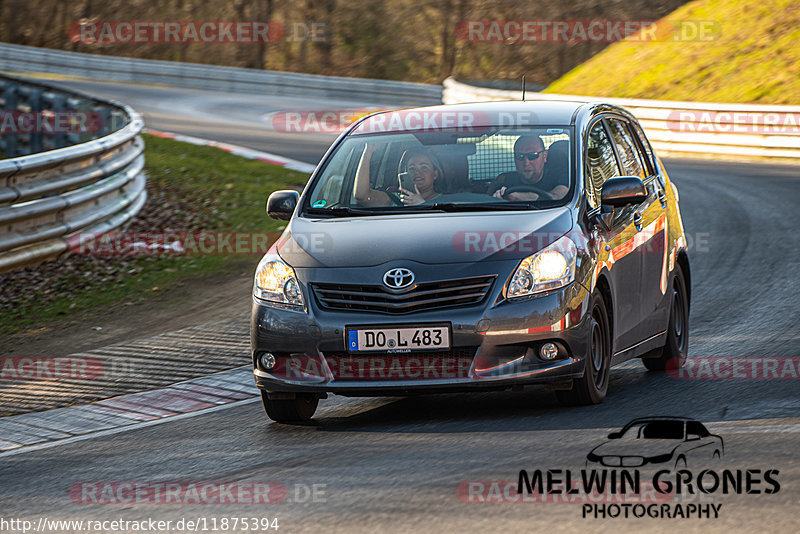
column 477, row 114
column 661, row 418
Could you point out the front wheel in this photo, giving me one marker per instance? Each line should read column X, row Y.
column 300, row 408
column 592, row 387
column 673, row 354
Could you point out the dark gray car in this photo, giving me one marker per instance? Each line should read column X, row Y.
column 472, row 247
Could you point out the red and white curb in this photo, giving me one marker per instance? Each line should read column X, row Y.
column 39, row 430
column 244, row 152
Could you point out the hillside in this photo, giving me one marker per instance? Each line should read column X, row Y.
column 751, row 54
column 410, row 40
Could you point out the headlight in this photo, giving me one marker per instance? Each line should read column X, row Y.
column 550, row 268
column 660, row 459
column 276, row 282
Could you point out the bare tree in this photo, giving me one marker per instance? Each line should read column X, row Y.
column 412, row 40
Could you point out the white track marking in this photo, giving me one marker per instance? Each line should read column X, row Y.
column 126, row 428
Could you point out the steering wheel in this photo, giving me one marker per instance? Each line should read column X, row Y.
column 529, row 189
column 394, row 198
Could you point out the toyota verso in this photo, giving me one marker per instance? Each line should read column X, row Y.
column 472, row 247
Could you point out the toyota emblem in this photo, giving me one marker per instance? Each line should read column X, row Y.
column 398, row 278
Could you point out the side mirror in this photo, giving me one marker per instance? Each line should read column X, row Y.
column 281, row 204
column 623, row 191
column 615, row 435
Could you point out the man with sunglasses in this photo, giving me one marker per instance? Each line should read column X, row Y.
column 530, row 157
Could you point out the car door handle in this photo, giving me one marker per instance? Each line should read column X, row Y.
column 663, row 198
column 637, row 221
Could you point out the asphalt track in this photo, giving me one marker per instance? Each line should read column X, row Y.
column 395, row 465
column 239, row 119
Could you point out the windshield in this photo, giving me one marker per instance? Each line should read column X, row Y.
column 495, row 169
column 655, row 430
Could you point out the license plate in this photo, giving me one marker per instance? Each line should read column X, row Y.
column 402, row 339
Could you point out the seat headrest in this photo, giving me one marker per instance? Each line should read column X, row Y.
column 557, row 166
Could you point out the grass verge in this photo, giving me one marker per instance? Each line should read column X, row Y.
column 748, row 53
column 190, row 189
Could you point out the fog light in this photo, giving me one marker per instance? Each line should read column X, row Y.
column 267, row 361
column 548, row 351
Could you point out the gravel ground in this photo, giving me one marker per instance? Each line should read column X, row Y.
column 164, row 211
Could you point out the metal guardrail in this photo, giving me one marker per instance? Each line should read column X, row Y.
column 18, row 58
column 694, row 128
column 80, row 182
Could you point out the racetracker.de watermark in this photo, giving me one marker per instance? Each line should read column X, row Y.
column 180, row 243
column 104, row 32
column 476, row 241
column 202, row 492
column 52, row 368
column 50, row 122
column 405, row 366
column 425, row 120
column 593, row 30
column 321, row 121
column 509, row 492
column 753, row 122
column 745, row 368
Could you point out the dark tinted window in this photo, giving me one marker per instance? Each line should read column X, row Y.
column 626, row 148
column 663, row 430
column 697, row 429
column 600, row 161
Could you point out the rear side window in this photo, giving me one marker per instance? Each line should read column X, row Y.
column 644, row 147
column 697, row 429
column 629, row 155
column 600, row 162
column 663, row 430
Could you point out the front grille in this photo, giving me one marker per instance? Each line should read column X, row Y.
column 622, row 461
column 418, row 365
column 419, row 297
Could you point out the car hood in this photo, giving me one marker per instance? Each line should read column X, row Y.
column 428, row 238
column 638, row 447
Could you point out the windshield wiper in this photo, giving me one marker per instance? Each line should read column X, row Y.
column 346, row 211
column 340, row 211
column 485, row 206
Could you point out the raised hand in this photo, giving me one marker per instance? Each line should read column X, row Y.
column 410, row 198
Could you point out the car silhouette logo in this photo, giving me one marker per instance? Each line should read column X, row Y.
column 674, row 441
column 398, row 278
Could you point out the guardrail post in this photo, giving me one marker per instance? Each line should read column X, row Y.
column 59, row 105
column 106, row 116
column 118, row 120
column 10, row 99
column 37, row 135
column 73, row 138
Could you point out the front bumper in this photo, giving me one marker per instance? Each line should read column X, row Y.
column 504, row 335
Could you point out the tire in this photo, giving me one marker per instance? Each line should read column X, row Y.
column 673, row 354
column 592, row 387
column 301, row 408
